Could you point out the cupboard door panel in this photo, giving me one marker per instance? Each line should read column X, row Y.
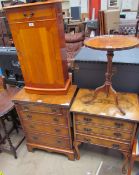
column 40, row 56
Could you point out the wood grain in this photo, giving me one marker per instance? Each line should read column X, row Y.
column 38, row 35
column 62, row 100
column 105, row 106
column 46, row 121
column 112, row 42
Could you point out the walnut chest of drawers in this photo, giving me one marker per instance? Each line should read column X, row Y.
column 46, row 121
column 100, row 122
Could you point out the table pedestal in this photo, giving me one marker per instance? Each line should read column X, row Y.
column 107, row 87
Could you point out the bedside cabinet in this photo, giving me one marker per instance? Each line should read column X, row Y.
column 46, row 121
column 38, row 34
column 99, row 122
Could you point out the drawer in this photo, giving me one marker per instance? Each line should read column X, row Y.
column 45, row 128
column 44, row 118
column 103, row 142
column 48, row 140
column 30, row 14
column 41, row 108
column 105, row 122
column 103, row 132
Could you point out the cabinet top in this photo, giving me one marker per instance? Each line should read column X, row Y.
column 32, row 4
column 63, row 100
column 105, row 106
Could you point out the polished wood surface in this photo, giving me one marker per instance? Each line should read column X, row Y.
column 112, row 42
column 62, row 100
column 38, row 34
column 105, row 106
column 43, row 117
column 107, row 122
column 98, row 121
column 46, row 121
column 109, row 143
column 104, row 131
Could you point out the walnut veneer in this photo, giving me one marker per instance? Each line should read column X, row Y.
column 99, row 121
column 46, row 121
column 38, row 34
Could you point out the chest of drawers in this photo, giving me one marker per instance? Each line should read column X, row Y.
column 99, row 122
column 46, row 121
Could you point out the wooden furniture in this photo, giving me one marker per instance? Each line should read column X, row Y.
column 7, row 109
column 75, row 26
column 135, row 153
column 46, row 121
column 38, row 35
column 110, row 43
column 99, row 122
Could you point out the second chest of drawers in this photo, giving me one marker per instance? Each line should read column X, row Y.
column 100, row 122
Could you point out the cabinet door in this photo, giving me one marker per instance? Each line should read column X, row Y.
column 39, row 52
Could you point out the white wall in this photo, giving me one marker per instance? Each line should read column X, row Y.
column 74, row 3
column 132, row 4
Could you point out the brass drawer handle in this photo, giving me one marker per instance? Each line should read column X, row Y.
column 56, row 119
column 115, row 146
column 29, row 116
column 31, row 126
column 58, row 141
column 35, row 138
column 87, row 119
column 87, row 129
column 87, row 140
column 118, row 134
column 57, row 130
column 118, row 125
column 28, row 16
column 26, row 108
column 54, row 110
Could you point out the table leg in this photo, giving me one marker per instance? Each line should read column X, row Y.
column 126, row 163
column 8, row 138
column 76, row 144
column 107, row 87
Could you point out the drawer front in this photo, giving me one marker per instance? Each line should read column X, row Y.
column 49, row 140
column 31, row 14
column 45, row 128
column 44, row 118
column 41, row 108
column 104, row 142
column 109, row 133
column 79, row 118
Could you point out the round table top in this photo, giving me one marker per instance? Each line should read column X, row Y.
column 112, row 42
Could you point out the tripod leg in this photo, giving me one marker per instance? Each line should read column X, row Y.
column 114, row 93
column 99, row 89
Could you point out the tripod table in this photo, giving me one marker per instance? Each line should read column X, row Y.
column 110, row 43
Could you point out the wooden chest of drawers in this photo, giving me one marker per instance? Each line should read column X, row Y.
column 100, row 122
column 46, row 121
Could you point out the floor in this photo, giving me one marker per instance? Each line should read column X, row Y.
column 44, row 163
